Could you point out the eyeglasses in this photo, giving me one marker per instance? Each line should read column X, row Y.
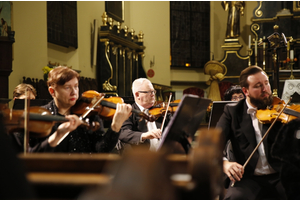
column 237, row 98
column 148, row 92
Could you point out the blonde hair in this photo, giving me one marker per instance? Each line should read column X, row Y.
column 21, row 89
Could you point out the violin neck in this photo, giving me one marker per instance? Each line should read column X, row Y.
column 291, row 112
column 173, row 104
column 108, row 104
column 50, row 118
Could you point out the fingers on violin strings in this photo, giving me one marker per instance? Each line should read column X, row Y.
column 128, row 106
column 118, row 107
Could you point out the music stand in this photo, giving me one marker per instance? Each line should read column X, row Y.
column 19, row 103
column 185, row 121
column 217, row 110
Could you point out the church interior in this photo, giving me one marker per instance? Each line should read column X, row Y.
column 182, row 47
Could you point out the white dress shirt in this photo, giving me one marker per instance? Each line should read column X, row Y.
column 262, row 166
column 154, row 143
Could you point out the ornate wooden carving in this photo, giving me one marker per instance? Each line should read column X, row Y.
column 119, row 60
column 5, row 64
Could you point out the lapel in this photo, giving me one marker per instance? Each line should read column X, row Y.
column 140, row 123
column 246, row 125
column 248, row 131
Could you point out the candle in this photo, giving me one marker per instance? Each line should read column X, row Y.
column 264, row 43
column 255, row 48
column 249, row 41
column 292, row 55
column 288, row 46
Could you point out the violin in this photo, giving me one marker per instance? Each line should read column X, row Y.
column 159, row 108
column 41, row 121
column 268, row 115
column 106, row 107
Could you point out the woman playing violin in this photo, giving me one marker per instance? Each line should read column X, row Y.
column 70, row 136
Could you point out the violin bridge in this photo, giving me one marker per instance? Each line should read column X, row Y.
column 278, row 108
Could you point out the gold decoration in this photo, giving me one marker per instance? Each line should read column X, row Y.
column 104, row 19
column 259, row 13
column 132, row 33
column 254, row 28
column 106, row 85
column 141, row 36
column 126, row 31
column 118, row 27
column 216, row 70
column 111, row 23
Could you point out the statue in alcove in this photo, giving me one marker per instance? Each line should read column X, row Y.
column 235, row 9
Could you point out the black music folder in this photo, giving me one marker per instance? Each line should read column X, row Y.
column 185, row 121
column 217, row 110
column 19, row 103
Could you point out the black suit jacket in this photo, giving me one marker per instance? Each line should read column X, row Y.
column 135, row 125
column 237, row 126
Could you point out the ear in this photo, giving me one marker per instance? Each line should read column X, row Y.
column 137, row 95
column 51, row 91
column 246, row 91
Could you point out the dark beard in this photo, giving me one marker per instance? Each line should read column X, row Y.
column 261, row 103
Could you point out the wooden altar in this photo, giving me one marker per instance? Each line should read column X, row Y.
column 280, row 19
column 119, row 58
column 5, row 63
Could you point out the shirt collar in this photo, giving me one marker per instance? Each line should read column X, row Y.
column 251, row 109
column 140, row 107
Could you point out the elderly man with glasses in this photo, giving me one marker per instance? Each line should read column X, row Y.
column 135, row 130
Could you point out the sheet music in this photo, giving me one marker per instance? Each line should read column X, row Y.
column 186, row 119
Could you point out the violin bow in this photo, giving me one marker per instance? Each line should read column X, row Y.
column 162, row 126
column 265, row 135
column 26, row 121
column 91, row 108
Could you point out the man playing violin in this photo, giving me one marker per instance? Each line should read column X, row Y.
column 239, row 124
column 70, row 136
column 137, row 131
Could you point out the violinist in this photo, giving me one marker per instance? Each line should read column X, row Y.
column 20, row 91
column 234, row 93
column 239, row 124
column 137, row 131
column 70, row 136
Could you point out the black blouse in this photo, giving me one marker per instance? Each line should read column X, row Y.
column 81, row 140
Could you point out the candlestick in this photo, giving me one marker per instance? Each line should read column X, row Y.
column 249, row 42
column 264, row 54
column 255, row 48
column 249, row 56
column 292, row 55
column 291, row 64
column 255, row 43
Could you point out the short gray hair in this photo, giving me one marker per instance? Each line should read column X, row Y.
column 136, row 84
